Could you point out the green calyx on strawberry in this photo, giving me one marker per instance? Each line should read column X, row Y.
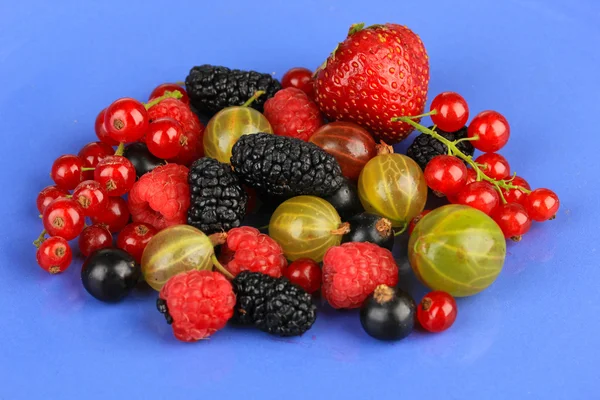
column 376, row 73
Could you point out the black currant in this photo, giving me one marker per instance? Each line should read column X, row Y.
column 345, row 200
column 143, row 161
column 372, row 228
column 110, row 274
column 388, row 314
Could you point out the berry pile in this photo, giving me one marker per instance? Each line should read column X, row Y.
column 177, row 195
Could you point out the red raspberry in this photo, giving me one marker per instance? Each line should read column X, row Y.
column 247, row 249
column 291, row 113
column 193, row 130
column 198, row 303
column 352, row 271
column 161, row 198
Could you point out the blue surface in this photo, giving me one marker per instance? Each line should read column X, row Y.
column 532, row 335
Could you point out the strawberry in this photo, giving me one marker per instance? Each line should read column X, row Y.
column 377, row 73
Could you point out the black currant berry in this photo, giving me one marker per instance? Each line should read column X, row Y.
column 388, row 314
column 372, row 228
column 110, row 274
column 143, row 161
column 345, row 200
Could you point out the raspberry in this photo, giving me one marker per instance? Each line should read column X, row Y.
column 292, row 113
column 161, row 198
column 196, row 303
column 352, row 271
column 193, row 129
column 249, row 250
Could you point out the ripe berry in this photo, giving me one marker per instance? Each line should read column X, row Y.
column 169, row 87
column 110, row 274
column 388, row 314
column 91, row 197
column 94, row 237
column 446, row 174
column 101, row 130
column 437, row 311
column 494, row 165
column 300, row 78
column 47, row 195
column 116, row 174
column 164, row 138
column 452, row 111
column 64, row 217
column 91, row 154
column 480, row 195
column 513, row 219
column 516, row 195
column 126, row 120
column 305, row 273
column 134, row 238
column 142, row 160
column 416, row 220
column 116, row 215
column 542, row 204
column 54, row 255
column 492, row 129
column 66, row 171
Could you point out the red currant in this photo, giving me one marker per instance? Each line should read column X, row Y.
column 134, row 238
column 116, row 174
column 92, row 197
column 300, row 78
column 305, row 273
column 516, row 195
column 94, row 237
column 169, row 87
column 452, row 111
column 513, row 220
column 54, row 255
column 491, row 128
column 66, row 171
column 91, row 154
column 415, row 220
column 116, row 215
column 64, row 217
column 47, row 195
column 164, row 138
column 446, row 174
column 437, row 311
column 494, row 165
column 101, row 130
column 471, row 176
column 480, row 195
column 126, row 120
column 542, row 204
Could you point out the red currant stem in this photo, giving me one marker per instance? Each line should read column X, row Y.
column 499, row 184
column 176, row 94
column 402, row 230
column 432, row 112
column 120, row 149
column 37, row 242
column 254, row 97
column 180, row 83
column 69, row 196
column 87, row 169
column 41, row 216
column 467, row 139
column 220, row 267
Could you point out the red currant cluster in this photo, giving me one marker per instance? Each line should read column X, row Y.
column 98, row 177
column 485, row 183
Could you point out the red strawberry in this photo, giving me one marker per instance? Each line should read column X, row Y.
column 377, row 73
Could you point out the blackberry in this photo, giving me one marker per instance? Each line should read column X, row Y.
column 284, row 166
column 212, row 88
column 273, row 305
column 425, row 147
column 218, row 202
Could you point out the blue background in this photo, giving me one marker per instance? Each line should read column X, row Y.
column 533, row 334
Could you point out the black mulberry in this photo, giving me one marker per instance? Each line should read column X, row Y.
column 212, row 88
column 284, row 166
column 273, row 305
column 218, row 200
column 425, row 147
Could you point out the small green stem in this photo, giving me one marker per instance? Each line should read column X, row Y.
column 263, row 227
column 253, row 98
column 37, row 242
column 176, row 94
column 221, row 268
column 498, row 184
column 120, row 149
column 88, row 169
column 402, row 230
column 430, row 113
column 180, row 83
column 467, row 139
